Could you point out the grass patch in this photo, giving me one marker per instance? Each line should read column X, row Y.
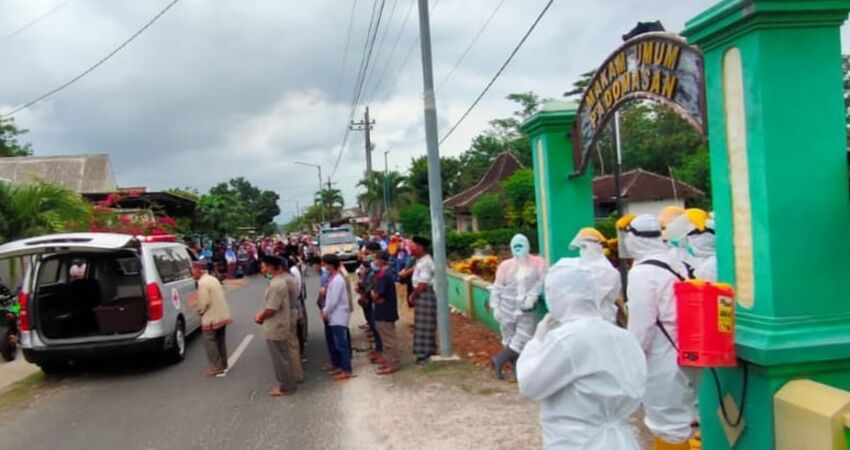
column 20, row 392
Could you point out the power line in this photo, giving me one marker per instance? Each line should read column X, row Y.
column 413, row 46
column 370, row 43
column 395, row 46
column 344, row 58
column 381, row 42
column 95, row 66
column 498, row 73
column 471, row 44
column 30, row 24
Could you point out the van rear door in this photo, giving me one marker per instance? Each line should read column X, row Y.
column 68, row 242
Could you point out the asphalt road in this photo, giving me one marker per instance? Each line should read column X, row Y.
column 146, row 405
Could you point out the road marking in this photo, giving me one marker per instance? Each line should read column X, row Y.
column 239, row 350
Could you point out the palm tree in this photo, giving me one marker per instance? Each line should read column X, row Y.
column 33, row 209
column 383, row 195
column 332, row 201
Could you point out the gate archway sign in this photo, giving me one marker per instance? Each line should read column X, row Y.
column 654, row 66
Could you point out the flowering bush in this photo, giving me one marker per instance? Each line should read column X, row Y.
column 105, row 218
column 481, row 266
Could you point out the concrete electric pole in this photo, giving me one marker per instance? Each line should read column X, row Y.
column 366, row 125
column 435, row 185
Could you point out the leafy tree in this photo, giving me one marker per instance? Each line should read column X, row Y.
column 28, row 210
column 260, row 206
column 415, row 219
column 579, row 86
column 332, row 201
column 9, row 145
column 417, row 178
column 518, row 191
column 221, row 214
column 489, row 212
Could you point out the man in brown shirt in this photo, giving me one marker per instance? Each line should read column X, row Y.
column 275, row 317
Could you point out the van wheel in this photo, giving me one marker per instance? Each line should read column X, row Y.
column 178, row 348
column 8, row 343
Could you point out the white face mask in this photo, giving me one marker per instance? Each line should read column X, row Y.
column 520, row 246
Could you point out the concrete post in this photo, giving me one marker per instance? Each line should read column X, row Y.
column 779, row 180
column 564, row 205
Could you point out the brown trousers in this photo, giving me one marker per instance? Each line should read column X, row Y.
column 294, row 350
column 216, row 347
column 388, row 336
column 281, row 362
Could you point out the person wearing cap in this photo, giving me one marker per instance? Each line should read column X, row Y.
column 513, row 296
column 590, row 244
column 424, row 300
column 215, row 317
column 588, row 374
column 275, row 318
column 670, row 396
column 385, row 311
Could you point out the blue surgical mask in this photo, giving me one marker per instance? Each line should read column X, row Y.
column 325, row 271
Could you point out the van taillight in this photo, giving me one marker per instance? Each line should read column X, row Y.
column 24, row 317
column 154, row 302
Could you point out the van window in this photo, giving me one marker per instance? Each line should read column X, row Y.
column 171, row 264
column 49, row 271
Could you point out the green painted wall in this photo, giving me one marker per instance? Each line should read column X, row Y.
column 457, row 292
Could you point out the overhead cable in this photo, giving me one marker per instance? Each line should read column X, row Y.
column 498, row 73
column 95, row 66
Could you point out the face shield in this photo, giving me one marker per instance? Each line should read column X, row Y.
column 667, row 215
column 639, row 236
column 589, row 242
column 520, row 246
column 691, row 223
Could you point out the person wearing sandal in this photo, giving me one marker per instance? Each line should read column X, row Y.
column 276, row 323
column 385, row 312
column 336, row 313
column 424, row 301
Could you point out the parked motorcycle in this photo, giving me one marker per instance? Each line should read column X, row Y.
column 9, row 332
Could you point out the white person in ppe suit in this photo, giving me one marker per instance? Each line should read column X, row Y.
column 678, row 245
column 588, row 374
column 670, row 396
column 590, row 244
column 513, row 295
column 703, row 247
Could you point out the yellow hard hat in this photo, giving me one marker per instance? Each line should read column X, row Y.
column 625, row 221
column 668, row 214
column 591, row 234
column 698, row 217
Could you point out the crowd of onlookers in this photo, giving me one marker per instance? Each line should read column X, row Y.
column 383, row 262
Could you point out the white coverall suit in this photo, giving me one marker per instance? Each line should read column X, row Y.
column 605, row 276
column 588, row 374
column 670, row 396
column 514, row 293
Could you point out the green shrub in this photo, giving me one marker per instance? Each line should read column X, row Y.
column 461, row 245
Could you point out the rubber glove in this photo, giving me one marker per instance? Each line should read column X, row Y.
column 528, row 303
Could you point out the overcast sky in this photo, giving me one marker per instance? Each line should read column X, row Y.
column 226, row 88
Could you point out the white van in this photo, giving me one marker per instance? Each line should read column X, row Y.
column 90, row 295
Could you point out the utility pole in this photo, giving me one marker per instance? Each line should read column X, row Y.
column 366, row 126
column 386, row 191
column 435, row 184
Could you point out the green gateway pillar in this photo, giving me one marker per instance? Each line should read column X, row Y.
column 779, row 178
column 564, row 205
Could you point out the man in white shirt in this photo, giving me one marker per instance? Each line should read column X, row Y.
column 424, row 300
column 336, row 313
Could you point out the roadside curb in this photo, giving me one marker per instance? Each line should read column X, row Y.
column 15, row 371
